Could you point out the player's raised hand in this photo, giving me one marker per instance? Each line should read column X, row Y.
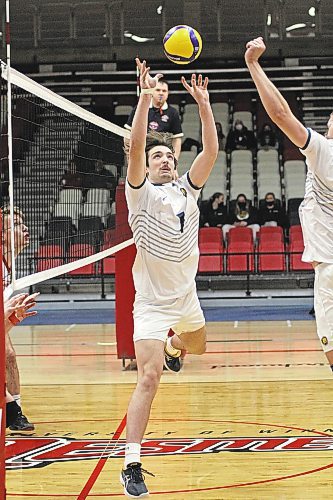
column 22, row 309
column 147, row 81
column 197, row 89
column 254, row 49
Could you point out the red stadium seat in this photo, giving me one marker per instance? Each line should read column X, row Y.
column 109, row 263
column 296, row 263
column 241, row 263
column 48, row 257
column 295, row 234
column 237, row 234
column 210, row 234
column 272, row 262
column 78, row 251
column 271, row 233
column 211, row 259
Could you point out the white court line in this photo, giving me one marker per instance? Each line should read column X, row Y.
column 70, row 327
column 106, row 343
column 235, row 324
column 289, row 323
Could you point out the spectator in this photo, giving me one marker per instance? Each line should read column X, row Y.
column 243, row 215
column 102, row 178
column 214, row 211
column 267, row 138
column 71, row 178
column 162, row 117
column 220, row 136
column 239, row 137
column 271, row 213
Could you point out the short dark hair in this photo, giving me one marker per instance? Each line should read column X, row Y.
column 163, row 80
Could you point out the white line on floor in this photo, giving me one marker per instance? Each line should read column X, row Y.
column 70, row 327
column 235, row 324
column 288, row 323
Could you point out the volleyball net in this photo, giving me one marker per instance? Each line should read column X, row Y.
column 60, row 167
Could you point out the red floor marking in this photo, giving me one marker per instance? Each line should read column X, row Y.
column 256, row 351
column 100, row 464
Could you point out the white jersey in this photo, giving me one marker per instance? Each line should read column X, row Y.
column 316, row 210
column 164, row 219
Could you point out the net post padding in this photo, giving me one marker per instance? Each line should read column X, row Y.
column 2, row 386
column 124, row 283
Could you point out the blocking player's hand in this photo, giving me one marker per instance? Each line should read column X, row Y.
column 22, row 309
column 147, row 81
column 197, row 89
column 254, row 50
column 11, row 304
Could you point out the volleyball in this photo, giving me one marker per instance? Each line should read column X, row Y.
column 182, row 44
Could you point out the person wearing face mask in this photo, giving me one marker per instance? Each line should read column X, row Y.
column 267, row 138
column 271, row 213
column 164, row 218
column 316, row 210
column 239, row 137
column 162, row 117
column 214, row 212
column 243, row 215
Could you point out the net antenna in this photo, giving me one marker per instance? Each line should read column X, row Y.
column 54, row 118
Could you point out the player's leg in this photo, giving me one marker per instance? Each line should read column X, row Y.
column 12, row 409
column 323, row 304
column 21, row 423
column 149, row 356
column 190, row 332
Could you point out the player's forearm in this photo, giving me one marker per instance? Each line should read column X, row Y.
column 177, row 144
column 140, row 121
column 273, row 101
column 210, row 142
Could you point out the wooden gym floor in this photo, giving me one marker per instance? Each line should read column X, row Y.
column 251, row 419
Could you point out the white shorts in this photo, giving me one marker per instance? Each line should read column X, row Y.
column 153, row 319
column 323, row 304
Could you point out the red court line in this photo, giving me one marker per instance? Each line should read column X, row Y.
column 257, row 351
column 100, row 464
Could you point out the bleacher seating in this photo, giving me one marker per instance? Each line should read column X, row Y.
column 49, row 256
column 271, row 239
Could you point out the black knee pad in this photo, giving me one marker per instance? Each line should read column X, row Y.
column 12, row 411
column 332, row 368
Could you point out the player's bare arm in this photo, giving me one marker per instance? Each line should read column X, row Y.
column 136, row 172
column 273, row 101
column 204, row 162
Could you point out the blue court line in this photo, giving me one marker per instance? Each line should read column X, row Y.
column 236, row 313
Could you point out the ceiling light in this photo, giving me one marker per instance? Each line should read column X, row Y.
column 269, row 19
column 312, row 11
column 136, row 38
column 296, row 26
column 159, row 9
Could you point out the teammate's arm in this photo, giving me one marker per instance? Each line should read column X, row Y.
column 177, row 145
column 272, row 100
column 204, row 162
column 136, row 171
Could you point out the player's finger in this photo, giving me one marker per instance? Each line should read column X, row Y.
column 186, row 85
column 194, row 81
column 200, row 80
column 205, row 84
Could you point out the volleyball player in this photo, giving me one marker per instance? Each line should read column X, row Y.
column 16, row 307
column 316, row 210
column 164, row 217
column 21, row 241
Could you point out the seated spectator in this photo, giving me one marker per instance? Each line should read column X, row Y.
column 214, row 211
column 220, row 136
column 71, row 178
column 243, row 215
column 101, row 178
column 239, row 137
column 271, row 213
column 267, row 138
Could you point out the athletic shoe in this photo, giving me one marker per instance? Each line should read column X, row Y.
column 21, row 424
column 133, row 481
column 172, row 363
